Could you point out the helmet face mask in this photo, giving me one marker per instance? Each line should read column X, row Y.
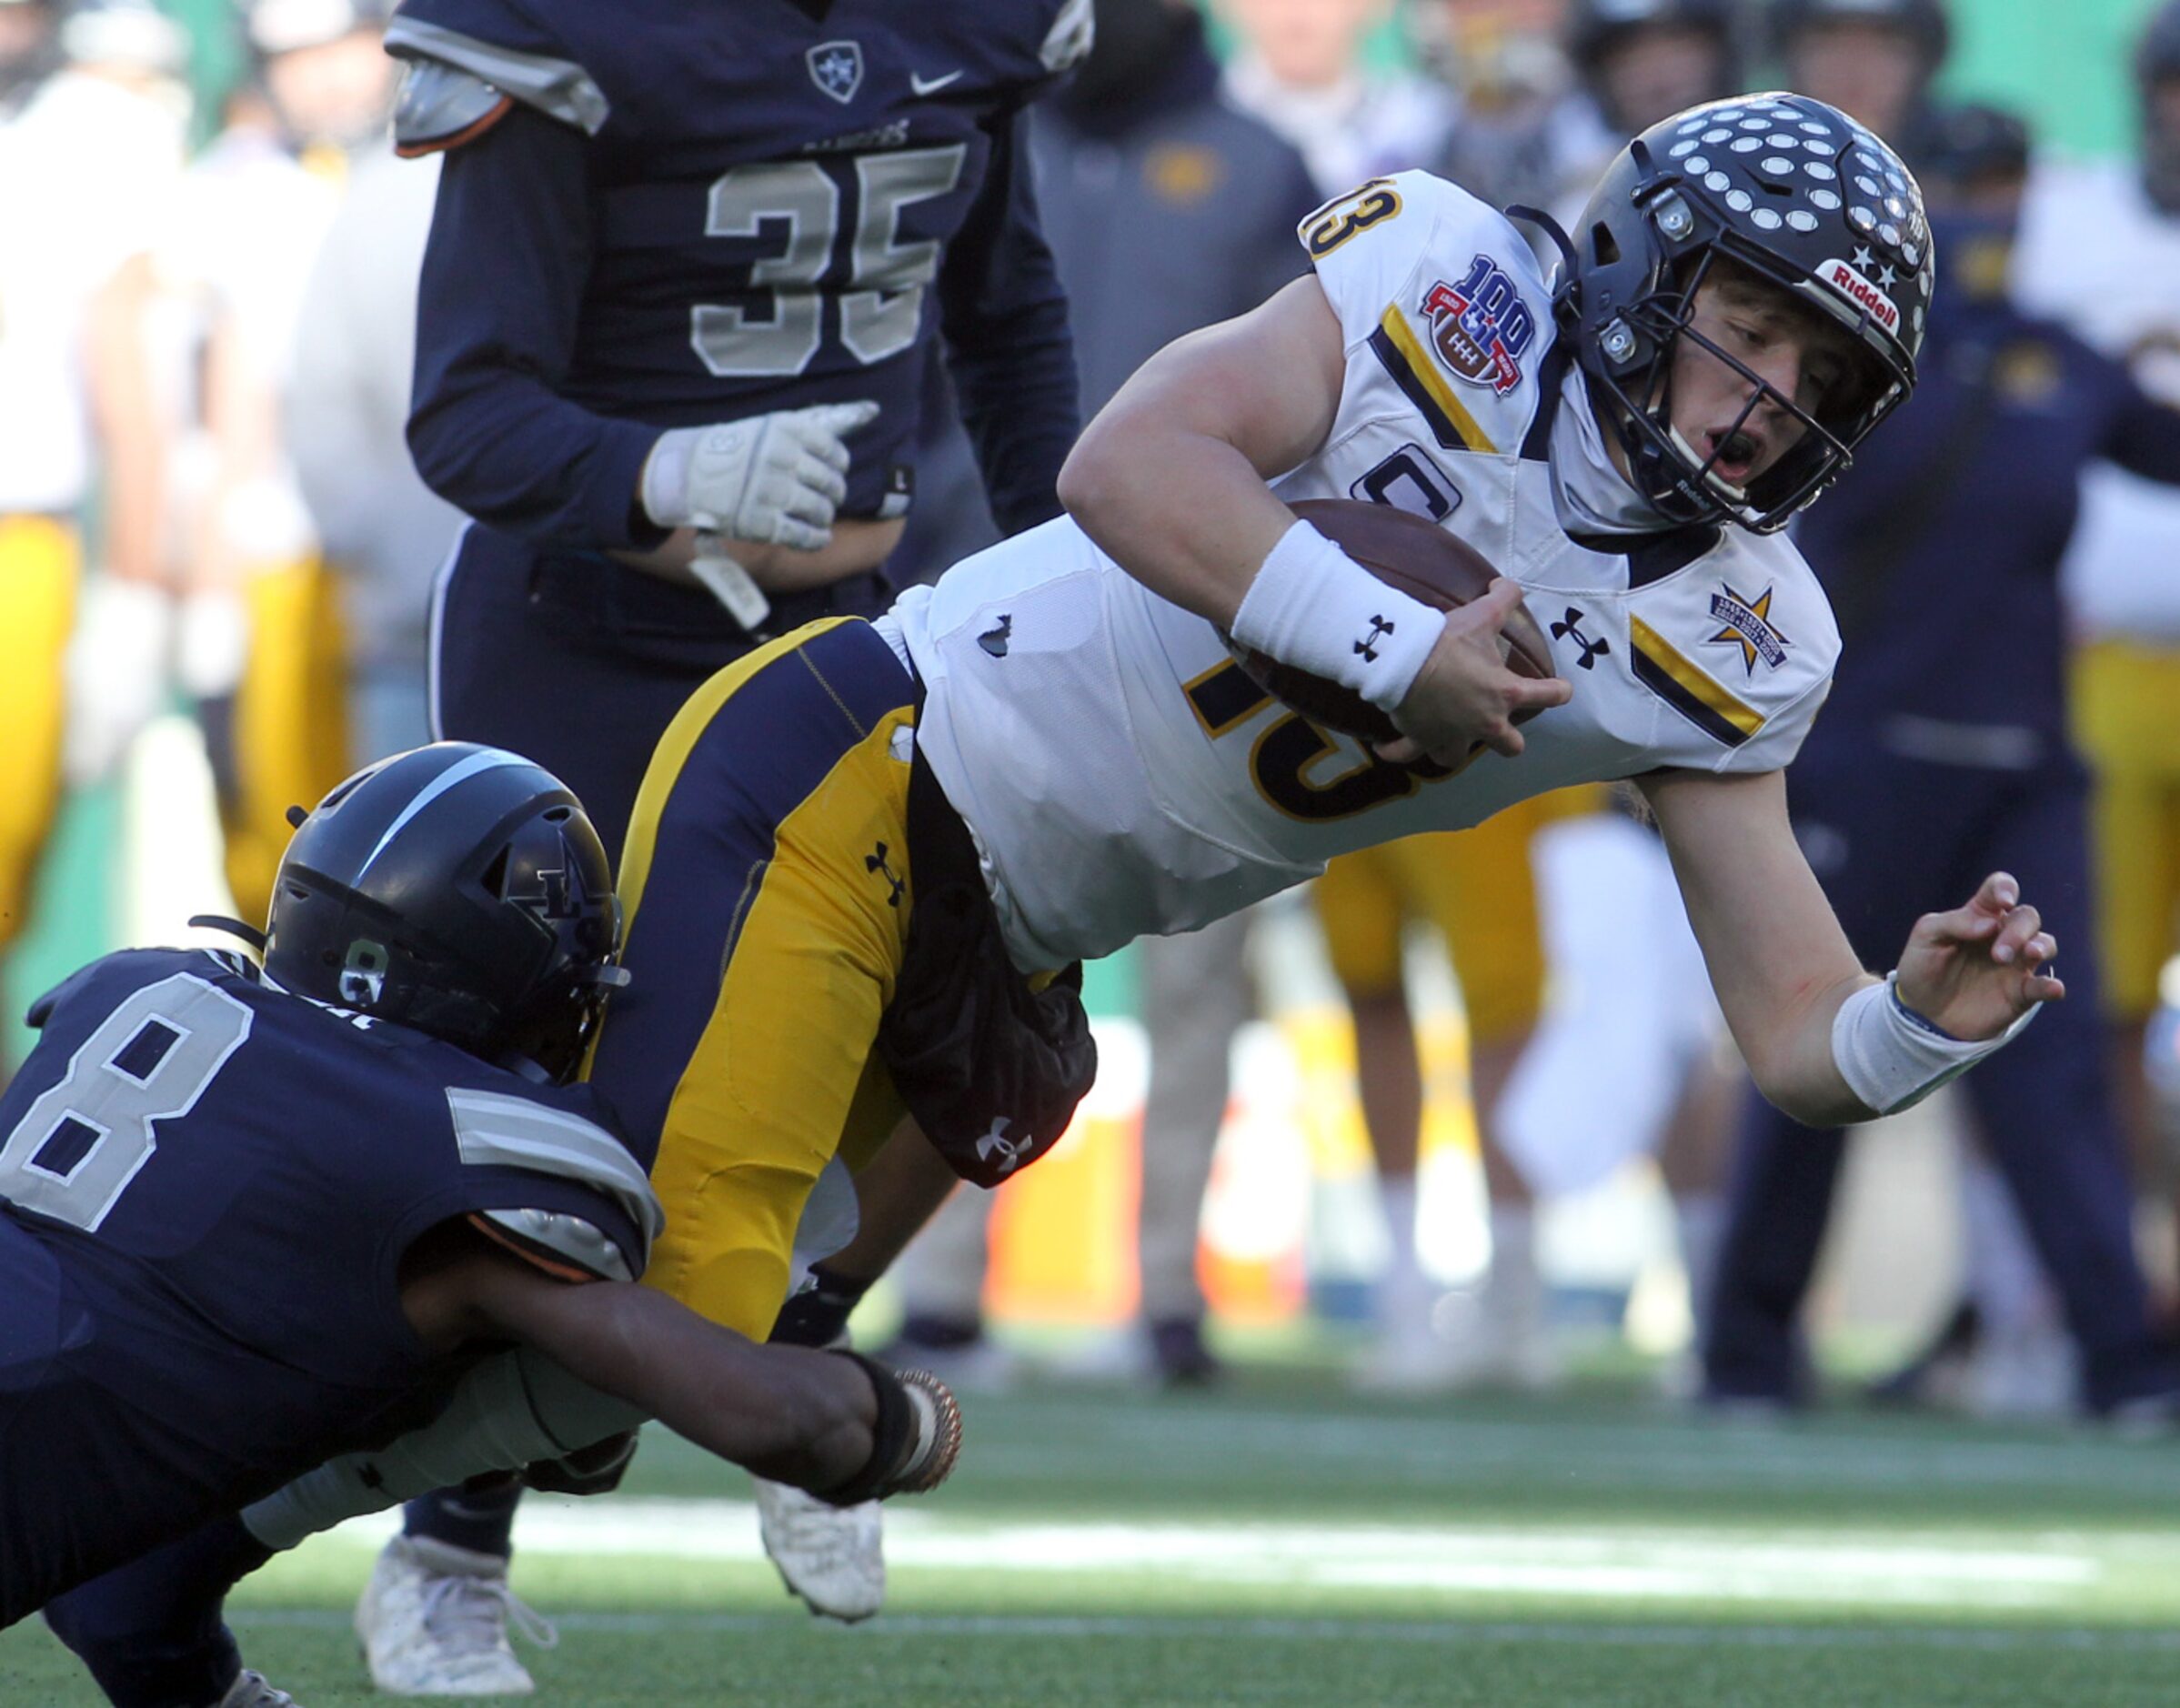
column 456, row 890
column 1780, row 190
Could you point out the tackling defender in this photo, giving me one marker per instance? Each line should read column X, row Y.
column 373, row 1120
column 888, row 835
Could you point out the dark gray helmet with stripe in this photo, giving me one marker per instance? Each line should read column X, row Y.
column 457, row 888
column 1793, row 191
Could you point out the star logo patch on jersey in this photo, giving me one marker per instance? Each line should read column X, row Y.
column 837, row 68
column 1481, row 327
column 1748, row 626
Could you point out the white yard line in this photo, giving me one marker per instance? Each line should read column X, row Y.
column 1797, row 1564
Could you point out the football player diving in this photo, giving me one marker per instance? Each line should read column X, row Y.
column 249, row 1217
column 866, row 857
column 687, row 271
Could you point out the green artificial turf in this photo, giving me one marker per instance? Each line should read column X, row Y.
column 1280, row 1541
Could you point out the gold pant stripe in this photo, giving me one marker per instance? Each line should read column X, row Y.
column 40, row 559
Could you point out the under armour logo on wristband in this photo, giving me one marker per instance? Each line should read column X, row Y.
column 1367, row 645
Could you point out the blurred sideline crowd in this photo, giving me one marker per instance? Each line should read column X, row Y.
column 205, row 496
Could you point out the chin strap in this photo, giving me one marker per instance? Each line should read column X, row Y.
column 249, row 934
column 1552, row 228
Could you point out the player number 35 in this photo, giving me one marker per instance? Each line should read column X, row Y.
column 882, row 309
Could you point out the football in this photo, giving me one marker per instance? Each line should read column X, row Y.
column 1423, row 561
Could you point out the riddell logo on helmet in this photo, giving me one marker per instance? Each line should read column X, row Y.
column 1851, row 285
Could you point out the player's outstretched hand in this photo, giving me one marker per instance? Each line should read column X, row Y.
column 1974, row 971
column 772, row 479
column 1465, row 697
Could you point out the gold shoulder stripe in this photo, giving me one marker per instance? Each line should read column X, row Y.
column 1412, row 370
column 1667, row 673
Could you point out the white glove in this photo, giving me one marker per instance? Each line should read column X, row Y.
column 116, row 672
column 774, row 480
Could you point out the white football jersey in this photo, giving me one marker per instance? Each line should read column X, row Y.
column 1124, row 776
column 2097, row 254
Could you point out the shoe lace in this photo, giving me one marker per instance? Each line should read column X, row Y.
column 470, row 1613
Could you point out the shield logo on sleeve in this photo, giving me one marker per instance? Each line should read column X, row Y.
column 837, row 68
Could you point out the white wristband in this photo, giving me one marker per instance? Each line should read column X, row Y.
column 1313, row 606
column 1892, row 1057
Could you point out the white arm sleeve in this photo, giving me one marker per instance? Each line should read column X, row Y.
column 509, row 1411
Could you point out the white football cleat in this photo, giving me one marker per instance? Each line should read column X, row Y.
column 833, row 1557
column 433, row 1622
column 250, row 1691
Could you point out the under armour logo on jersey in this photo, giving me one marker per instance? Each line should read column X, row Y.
column 1591, row 650
column 837, row 68
column 877, row 863
column 1367, row 645
column 995, row 1143
column 994, row 641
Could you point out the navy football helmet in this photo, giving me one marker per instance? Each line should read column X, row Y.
column 457, row 888
column 1793, row 191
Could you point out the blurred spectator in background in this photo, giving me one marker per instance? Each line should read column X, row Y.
column 28, row 51
column 261, row 644
column 1477, row 890
column 2100, row 249
column 1520, row 130
column 1943, row 752
column 385, row 533
column 1298, row 66
column 91, row 126
column 1640, row 60
column 1167, row 209
column 1875, row 59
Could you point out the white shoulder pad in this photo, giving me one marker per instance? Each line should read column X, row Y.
column 1067, row 42
column 558, row 89
column 493, row 1130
